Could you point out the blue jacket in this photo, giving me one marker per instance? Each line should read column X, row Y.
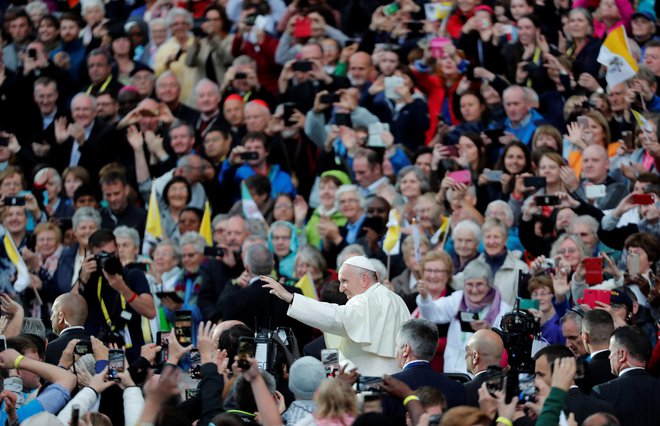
column 525, row 131
column 280, row 181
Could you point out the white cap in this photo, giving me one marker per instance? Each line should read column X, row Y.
column 360, row 262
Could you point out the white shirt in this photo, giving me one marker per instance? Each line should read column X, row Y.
column 629, row 369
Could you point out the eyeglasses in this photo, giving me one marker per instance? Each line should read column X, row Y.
column 476, row 286
column 567, row 251
column 541, row 294
column 348, row 201
column 435, row 271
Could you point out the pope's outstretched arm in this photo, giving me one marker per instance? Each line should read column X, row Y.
column 327, row 317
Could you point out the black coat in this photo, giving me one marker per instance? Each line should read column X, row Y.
column 635, row 396
column 472, row 389
column 257, row 308
column 597, row 371
column 421, row 374
column 582, row 406
column 57, row 346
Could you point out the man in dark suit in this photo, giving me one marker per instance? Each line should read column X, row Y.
column 68, row 320
column 581, row 405
column 597, row 328
column 416, row 343
column 82, row 143
column 254, row 305
column 484, row 348
column 634, row 393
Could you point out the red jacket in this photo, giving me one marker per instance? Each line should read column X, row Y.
column 456, row 21
column 268, row 70
column 433, row 87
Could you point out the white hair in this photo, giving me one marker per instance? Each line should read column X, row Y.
column 83, row 95
column 178, row 11
column 91, row 4
column 351, row 188
column 86, row 214
column 467, row 225
column 194, row 239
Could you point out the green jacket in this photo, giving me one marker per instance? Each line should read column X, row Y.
column 313, row 237
column 552, row 407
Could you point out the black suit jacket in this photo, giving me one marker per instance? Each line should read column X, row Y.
column 472, row 389
column 635, row 396
column 256, row 307
column 57, row 346
column 421, row 374
column 584, row 405
column 597, row 371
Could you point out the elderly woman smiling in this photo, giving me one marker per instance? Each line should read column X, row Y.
column 479, row 300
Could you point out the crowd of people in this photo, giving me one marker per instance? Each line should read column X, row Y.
column 322, row 212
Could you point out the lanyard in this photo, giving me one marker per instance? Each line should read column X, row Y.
column 103, row 86
column 104, row 309
column 535, row 59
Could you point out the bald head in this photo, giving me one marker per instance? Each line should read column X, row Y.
column 601, row 419
column 69, row 309
column 485, row 348
column 223, row 326
column 595, row 164
column 360, row 68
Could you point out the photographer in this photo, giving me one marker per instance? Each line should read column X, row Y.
column 117, row 298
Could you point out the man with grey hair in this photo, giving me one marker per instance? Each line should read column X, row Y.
column 586, row 227
column 253, row 305
column 207, row 95
column 366, row 326
column 571, row 329
column 416, row 344
column 85, row 142
column 168, row 90
column 521, row 118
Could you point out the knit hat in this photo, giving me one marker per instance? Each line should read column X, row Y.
column 305, row 376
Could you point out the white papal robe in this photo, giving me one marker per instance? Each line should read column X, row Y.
column 367, row 326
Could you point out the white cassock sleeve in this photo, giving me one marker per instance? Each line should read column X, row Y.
column 321, row 315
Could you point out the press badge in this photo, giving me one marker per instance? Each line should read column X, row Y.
column 126, row 315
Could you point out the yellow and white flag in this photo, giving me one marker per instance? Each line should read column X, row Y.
column 153, row 232
column 615, row 55
column 393, row 235
column 437, row 11
column 642, row 122
column 306, row 284
column 22, row 275
column 205, row 227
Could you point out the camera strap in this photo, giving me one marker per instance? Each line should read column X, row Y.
column 106, row 314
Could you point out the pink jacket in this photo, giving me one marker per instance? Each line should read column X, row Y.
column 625, row 10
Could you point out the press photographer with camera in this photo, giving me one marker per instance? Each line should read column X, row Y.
column 117, row 298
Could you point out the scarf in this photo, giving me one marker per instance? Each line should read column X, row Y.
column 50, row 263
column 496, row 262
column 492, row 299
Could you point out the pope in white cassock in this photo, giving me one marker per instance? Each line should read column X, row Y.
column 367, row 324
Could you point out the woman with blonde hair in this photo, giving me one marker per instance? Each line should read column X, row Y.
column 336, row 405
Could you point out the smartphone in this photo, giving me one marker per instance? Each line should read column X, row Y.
column 115, row 363
column 330, row 360
column 415, row 26
column 3, row 343
column 161, row 340
column 583, row 122
column 32, row 53
column 329, row 98
column 83, row 347
column 4, row 141
column 452, row 150
column 628, row 140
column 289, row 110
column 466, row 319
column 529, row 304
column 526, row 388
column 302, row 66
column 633, row 264
column 170, row 295
column 191, row 393
column 302, row 28
column 494, row 134
column 75, row 415
column 640, row 199
column 438, row 46
column 343, row 119
column 214, row 251
column 391, row 9
column 593, row 270
column 591, row 296
column 495, row 379
column 461, row 176
column 247, row 348
column 251, row 19
column 493, row 175
column 350, row 41
column 195, row 364
column 14, row 201
column 369, row 383
column 595, row 191
column 534, row 182
column 547, row 200
column 376, row 134
column 249, row 155
column 183, row 327
column 240, row 76
column 391, row 83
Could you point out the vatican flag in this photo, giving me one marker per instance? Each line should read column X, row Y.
column 306, row 284
column 205, row 228
column 615, row 55
column 153, row 233
column 391, row 243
